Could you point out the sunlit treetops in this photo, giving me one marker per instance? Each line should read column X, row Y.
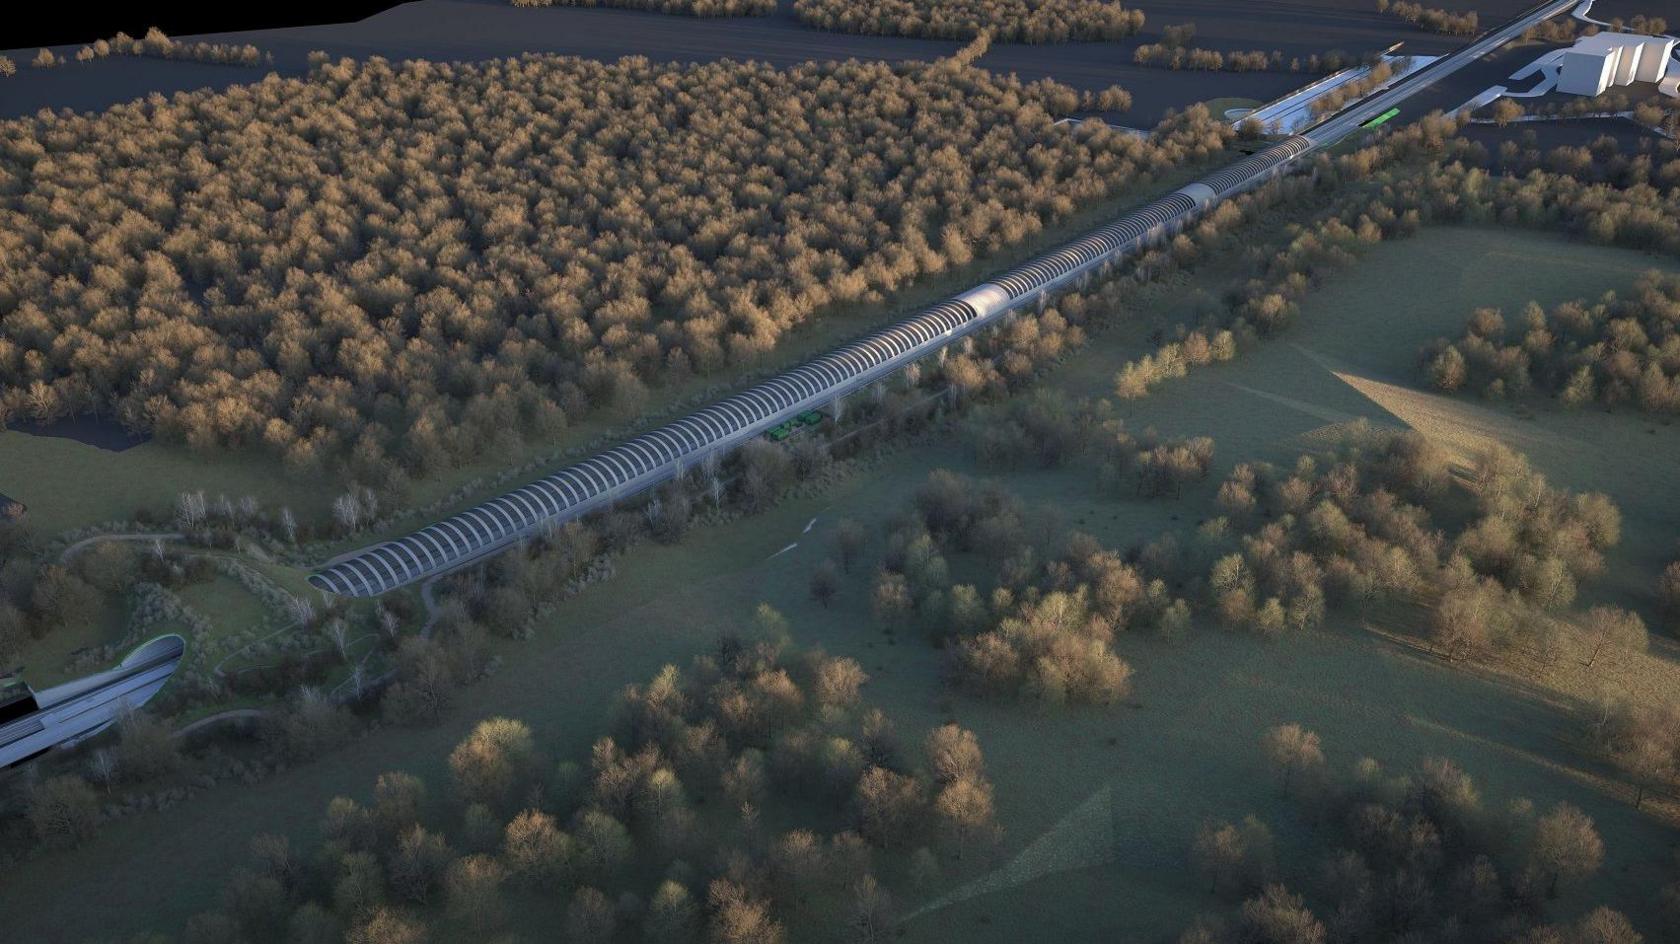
column 688, row 7
column 401, row 265
column 1015, row 21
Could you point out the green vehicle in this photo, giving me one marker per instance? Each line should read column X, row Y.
column 782, row 431
column 1380, row 119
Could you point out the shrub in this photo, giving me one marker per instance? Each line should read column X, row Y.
column 63, row 810
column 1009, row 21
column 1433, row 19
column 493, row 762
column 689, row 7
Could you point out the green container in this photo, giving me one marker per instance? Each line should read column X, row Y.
column 1382, row 118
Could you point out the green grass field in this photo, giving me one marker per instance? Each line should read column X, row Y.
column 235, row 614
column 46, row 661
column 1184, row 751
column 1219, row 106
column 69, row 485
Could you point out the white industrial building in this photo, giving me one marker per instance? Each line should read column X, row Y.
column 1601, row 60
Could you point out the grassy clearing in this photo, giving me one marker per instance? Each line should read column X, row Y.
column 1184, row 750
column 46, row 661
column 1354, row 354
column 235, row 609
column 235, row 614
column 1219, row 106
column 69, row 485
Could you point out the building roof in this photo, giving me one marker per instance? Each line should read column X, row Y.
column 1604, row 43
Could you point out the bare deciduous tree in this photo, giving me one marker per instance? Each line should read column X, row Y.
column 1293, row 752
column 1566, row 847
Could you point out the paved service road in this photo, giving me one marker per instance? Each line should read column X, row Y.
column 1342, row 123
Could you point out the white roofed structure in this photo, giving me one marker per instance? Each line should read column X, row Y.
column 1597, row 62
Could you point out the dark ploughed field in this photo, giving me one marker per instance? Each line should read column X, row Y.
column 484, row 29
column 1583, row 132
column 96, row 431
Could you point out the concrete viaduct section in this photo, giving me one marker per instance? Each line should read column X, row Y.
column 646, row 461
column 70, row 713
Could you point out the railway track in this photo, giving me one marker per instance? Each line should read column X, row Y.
column 661, row 454
column 36, row 722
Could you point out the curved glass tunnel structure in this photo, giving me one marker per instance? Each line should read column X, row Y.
column 661, row 454
column 32, row 723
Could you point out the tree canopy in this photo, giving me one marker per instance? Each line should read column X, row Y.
column 393, row 267
column 1011, row 21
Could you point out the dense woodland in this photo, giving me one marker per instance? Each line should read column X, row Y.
column 688, row 7
column 1380, row 523
column 749, row 794
column 1418, row 855
column 1008, row 21
column 399, row 266
column 1612, row 352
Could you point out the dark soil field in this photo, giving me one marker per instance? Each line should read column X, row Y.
column 481, row 29
column 1628, row 9
column 1240, row 23
column 1476, row 78
column 89, row 430
column 1581, row 132
column 1317, row 25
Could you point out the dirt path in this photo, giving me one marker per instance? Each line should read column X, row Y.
column 65, row 555
column 232, row 714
